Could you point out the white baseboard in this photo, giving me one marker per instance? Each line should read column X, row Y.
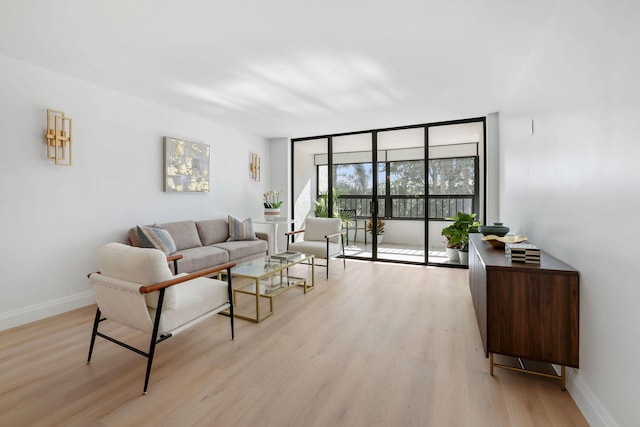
column 592, row 409
column 31, row 313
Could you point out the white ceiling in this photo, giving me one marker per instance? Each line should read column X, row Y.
column 288, row 67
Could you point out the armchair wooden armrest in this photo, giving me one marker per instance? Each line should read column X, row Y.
column 337, row 233
column 289, row 235
column 175, row 259
column 185, row 278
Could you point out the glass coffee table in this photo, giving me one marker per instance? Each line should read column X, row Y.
column 269, row 279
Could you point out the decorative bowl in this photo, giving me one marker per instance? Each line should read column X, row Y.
column 497, row 229
column 499, row 241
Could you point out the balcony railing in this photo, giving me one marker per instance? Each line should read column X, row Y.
column 409, row 207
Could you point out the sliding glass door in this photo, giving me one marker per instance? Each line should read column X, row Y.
column 393, row 188
column 354, row 182
column 455, row 177
column 401, row 194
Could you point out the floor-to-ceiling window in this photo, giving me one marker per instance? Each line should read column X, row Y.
column 394, row 188
column 455, row 180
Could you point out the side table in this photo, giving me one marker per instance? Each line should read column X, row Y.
column 274, row 229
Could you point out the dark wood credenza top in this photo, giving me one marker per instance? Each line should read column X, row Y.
column 494, row 258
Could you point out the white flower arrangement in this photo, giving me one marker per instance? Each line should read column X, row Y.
column 272, row 200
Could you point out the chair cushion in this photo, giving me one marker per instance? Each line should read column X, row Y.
column 144, row 266
column 184, row 234
column 317, row 248
column 240, row 230
column 317, row 228
column 193, row 299
column 156, row 237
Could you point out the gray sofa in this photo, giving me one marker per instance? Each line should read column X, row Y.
column 205, row 244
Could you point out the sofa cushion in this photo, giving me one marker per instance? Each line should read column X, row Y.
column 156, row 237
column 195, row 259
column 243, row 248
column 213, row 231
column 184, row 234
column 240, row 230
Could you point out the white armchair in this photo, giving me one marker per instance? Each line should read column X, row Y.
column 323, row 237
column 135, row 287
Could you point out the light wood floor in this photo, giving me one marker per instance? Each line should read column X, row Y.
column 375, row 345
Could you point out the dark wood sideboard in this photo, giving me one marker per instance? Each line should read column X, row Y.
column 528, row 311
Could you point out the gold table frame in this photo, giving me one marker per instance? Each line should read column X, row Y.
column 562, row 377
column 268, row 268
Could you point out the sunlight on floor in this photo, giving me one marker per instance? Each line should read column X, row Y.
column 398, row 252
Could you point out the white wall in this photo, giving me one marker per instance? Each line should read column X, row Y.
column 492, row 195
column 304, row 179
column 405, row 232
column 55, row 218
column 573, row 187
column 279, row 179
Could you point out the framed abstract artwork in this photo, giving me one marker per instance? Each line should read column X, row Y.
column 186, row 166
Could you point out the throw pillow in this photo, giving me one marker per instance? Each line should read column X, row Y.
column 156, row 237
column 240, row 230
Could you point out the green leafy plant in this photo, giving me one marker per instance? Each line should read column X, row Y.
column 457, row 233
column 378, row 229
column 321, row 209
column 322, row 206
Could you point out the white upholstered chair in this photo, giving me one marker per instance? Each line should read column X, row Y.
column 135, row 287
column 322, row 237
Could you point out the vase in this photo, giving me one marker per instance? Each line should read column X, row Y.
column 271, row 214
column 452, row 254
column 497, row 229
column 464, row 257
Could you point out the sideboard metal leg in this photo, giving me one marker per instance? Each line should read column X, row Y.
column 491, row 364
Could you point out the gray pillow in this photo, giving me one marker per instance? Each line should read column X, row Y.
column 156, row 237
column 240, row 230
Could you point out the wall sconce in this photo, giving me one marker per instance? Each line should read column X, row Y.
column 255, row 167
column 59, row 141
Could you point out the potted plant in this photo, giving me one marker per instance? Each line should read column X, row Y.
column 457, row 234
column 321, row 206
column 321, row 209
column 377, row 228
column 271, row 201
column 452, row 245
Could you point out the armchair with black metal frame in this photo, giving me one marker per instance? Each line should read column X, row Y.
column 323, row 237
column 136, row 288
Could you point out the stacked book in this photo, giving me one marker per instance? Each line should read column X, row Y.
column 522, row 252
column 286, row 256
